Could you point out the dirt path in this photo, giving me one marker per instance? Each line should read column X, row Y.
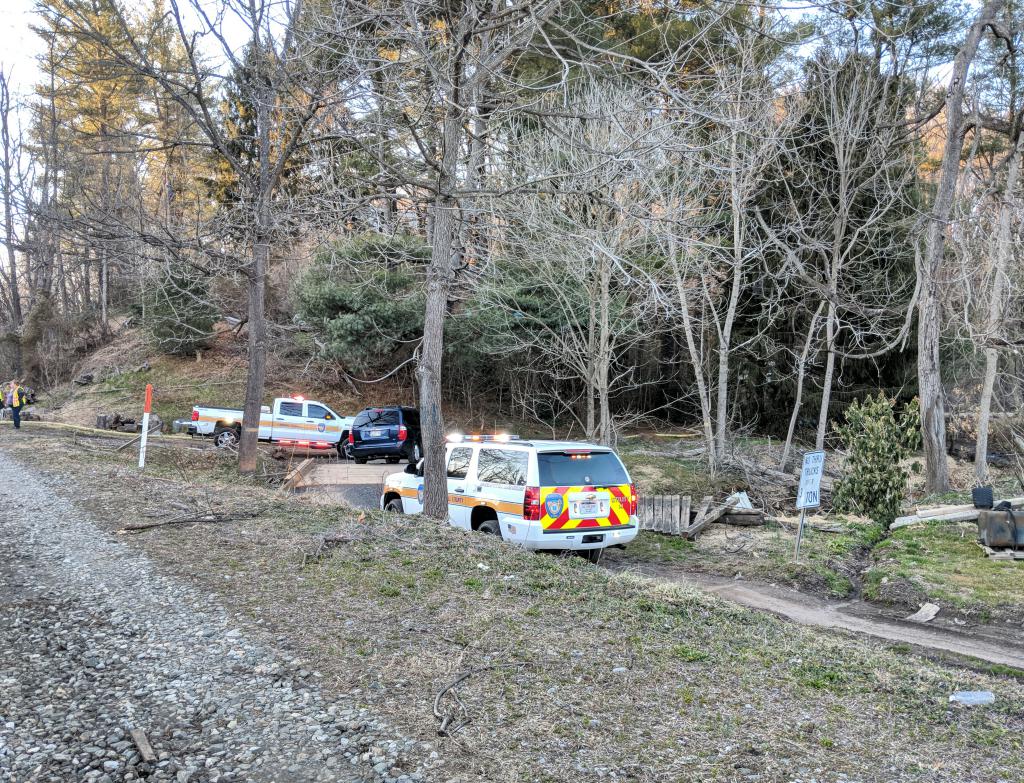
column 855, row 616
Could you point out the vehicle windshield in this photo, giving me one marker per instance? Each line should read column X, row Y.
column 595, row 468
column 376, row 417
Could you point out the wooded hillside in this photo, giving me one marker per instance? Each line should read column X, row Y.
column 590, row 214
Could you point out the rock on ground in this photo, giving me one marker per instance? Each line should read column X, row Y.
column 95, row 642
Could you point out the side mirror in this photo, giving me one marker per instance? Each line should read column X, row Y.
column 412, row 470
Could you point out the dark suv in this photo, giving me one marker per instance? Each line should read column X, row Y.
column 391, row 432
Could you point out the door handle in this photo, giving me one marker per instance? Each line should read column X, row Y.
column 460, row 490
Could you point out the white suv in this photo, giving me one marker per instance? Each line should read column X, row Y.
column 540, row 494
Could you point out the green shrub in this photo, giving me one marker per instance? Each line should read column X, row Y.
column 365, row 296
column 876, row 440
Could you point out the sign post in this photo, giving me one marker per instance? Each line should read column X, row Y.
column 145, row 424
column 809, row 494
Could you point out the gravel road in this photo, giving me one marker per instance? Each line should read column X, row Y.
column 95, row 643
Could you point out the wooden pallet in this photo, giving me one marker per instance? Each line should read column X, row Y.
column 1002, row 554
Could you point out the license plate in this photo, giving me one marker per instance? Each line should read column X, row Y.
column 376, row 433
column 587, row 508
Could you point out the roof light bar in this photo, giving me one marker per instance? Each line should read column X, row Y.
column 500, row 437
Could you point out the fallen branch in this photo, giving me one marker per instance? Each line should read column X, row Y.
column 137, row 438
column 325, row 544
column 807, row 525
column 446, row 720
column 186, row 519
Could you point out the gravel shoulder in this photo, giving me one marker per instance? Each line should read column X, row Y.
column 542, row 669
column 96, row 642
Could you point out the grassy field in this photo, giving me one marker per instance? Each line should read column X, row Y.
column 941, row 562
column 830, row 563
column 574, row 674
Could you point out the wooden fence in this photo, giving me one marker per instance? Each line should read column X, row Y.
column 676, row 515
column 671, row 514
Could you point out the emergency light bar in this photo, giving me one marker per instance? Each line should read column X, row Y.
column 501, row 437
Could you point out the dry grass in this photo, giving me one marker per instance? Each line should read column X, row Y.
column 579, row 675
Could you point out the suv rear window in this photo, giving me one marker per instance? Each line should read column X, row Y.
column 376, row 416
column 597, row 468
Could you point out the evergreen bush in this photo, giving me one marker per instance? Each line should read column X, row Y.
column 877, row 440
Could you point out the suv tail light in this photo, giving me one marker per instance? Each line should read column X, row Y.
column 195, row 415
column 403, row 433
column 634, row 500
column 351, row 438
column 531, row 504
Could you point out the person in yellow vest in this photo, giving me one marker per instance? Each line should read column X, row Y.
column 17, row 400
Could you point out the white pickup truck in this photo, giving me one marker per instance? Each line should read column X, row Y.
column 292, row 421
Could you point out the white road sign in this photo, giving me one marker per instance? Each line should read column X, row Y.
column 809, row 495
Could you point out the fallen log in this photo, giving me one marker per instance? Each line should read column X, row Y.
column 962, row 513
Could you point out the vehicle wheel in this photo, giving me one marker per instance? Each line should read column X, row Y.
column 490, row 527
column 414, row 454
column 592, row 555
column 225, row 437
column 392, row 460
column 394, row 506
column 360, row 460
column 344, row 450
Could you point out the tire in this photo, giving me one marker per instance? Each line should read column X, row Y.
column 360, row 460
column 592, row 555
column 394, row 506
column 415, row 454
column 490, row 527
column 225, row 437
column 344, row 450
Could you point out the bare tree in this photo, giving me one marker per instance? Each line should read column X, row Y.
column 568, row 285
column 281, row 79
column 929, row 316
column 10, row 150
column 709, row 231
column 849, row 179
column 438, row 80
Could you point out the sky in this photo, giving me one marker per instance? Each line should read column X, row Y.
column 19, row 45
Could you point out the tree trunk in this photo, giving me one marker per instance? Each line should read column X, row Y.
column 248, row 445
column 695, row 357
column 429, row 369
column 1004, row 254
column 605, row 434
column 9, row 151
column 826, row 382
column 725, row 337
column 800, row 373
column 591, row 367
column 929, row 368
